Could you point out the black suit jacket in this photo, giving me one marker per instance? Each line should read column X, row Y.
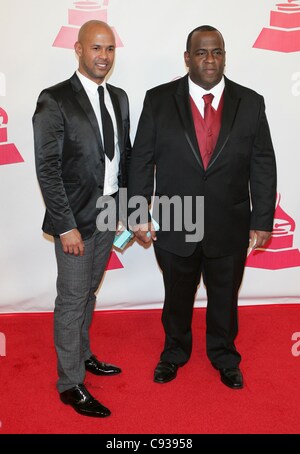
column 242, row 166
column 70, row 160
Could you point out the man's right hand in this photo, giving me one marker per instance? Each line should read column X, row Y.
column 72, row 242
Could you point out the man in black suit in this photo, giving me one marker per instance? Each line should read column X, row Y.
column 82, row 147
column 218, row 147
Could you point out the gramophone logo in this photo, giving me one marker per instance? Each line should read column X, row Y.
column 283, row 33
column 8, row 151
column 279, row 252
column 82, row 12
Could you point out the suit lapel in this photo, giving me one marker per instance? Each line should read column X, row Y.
column 118, row 115
column 230, row 109
column 88, row 110
column 185, row 113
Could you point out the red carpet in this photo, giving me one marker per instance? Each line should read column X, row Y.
column 195, row 403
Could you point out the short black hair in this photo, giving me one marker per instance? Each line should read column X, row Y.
column 202, row 28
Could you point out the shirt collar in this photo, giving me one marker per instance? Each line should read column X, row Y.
column 197, row 92
column 88, row 84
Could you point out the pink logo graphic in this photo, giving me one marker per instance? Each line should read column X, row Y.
column 8, row 151
column 278, row 252
column 283, row 35
column 114, row 262
column 83, row 12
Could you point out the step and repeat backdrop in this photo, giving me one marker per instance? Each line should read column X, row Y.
column 37, row 36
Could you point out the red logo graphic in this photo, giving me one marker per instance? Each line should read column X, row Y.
column 114, row 262
column 278, row 252
column 283, row 35
column 8, row 151
column 83, row 12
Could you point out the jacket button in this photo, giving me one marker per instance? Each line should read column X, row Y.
column 204, row 178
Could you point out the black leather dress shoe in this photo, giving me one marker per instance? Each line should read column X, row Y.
column 165, row 371
column 83, row 402
column 99, row 368
column 232, row 378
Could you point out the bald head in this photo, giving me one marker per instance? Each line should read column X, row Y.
column 93, row 26
column 95, row 48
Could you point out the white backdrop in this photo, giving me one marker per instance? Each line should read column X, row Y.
column 153, row 34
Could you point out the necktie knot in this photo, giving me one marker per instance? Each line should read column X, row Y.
column 101, row 90
column 208, row 98
column 107, row 126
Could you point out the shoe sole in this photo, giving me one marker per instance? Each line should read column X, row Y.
column 90, row 415
column 103, row 374
column 232, row 387
column 85, row 413
column 161, row 382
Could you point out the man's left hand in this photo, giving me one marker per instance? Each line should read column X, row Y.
column 261, row 237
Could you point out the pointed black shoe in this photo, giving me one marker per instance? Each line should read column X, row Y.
column 165, row 371
column 83, row 402
column 99, row 368
column 232, row 378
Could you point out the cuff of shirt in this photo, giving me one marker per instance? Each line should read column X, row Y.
column 64, row 233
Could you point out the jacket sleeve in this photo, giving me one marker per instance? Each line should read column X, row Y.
column 262, row 176
column 141, row 169
column 48, row 128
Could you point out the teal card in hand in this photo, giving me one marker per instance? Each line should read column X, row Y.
column 121, row 240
